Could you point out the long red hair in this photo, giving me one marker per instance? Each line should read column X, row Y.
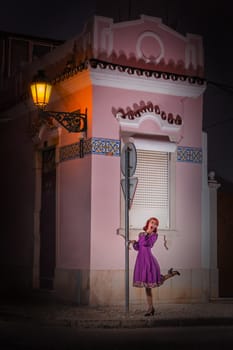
column 147, row 224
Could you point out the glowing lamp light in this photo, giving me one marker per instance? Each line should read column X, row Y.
column 41, row 90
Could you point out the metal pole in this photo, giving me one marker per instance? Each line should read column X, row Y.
column 127, row 202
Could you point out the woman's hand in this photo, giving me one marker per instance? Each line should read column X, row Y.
column 132, row 241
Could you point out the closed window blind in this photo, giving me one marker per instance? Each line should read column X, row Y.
column 152, row 193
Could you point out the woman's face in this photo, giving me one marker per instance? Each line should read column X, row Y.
column 152, row 225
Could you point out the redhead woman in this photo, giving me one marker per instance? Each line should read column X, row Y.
column 147, row 270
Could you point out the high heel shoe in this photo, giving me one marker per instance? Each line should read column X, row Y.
column 173, row 272
column 150, row 312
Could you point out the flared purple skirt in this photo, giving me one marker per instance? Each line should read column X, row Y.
column 147, row 270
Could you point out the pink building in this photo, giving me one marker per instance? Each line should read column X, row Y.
column 140, row 82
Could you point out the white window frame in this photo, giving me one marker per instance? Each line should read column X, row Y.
column 170, row 149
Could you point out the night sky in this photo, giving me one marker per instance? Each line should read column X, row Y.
column 211, row 19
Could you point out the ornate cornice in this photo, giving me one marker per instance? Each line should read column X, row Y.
column 105, row 73
column 132, row 78
column 133, row 114
column 131, row 70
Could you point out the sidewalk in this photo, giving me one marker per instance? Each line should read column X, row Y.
column 44, row 309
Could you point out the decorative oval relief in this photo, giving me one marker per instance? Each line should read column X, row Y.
column 150, row 47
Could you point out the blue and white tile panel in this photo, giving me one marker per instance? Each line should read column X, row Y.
column 105, row 146
column 111, row 147
column 69, row 152
column 91, row 146
column 189, row 154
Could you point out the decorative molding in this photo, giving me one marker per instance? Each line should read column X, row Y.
column 212, row 182
column 168, row 118
column 189, row 154
column 190, row 56
column 107, row 41
column 157, row 40
column 132, row 78
column 111, row 74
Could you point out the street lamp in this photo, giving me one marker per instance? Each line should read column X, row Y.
column 41, row 90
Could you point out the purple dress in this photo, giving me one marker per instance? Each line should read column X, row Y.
column 146, row 270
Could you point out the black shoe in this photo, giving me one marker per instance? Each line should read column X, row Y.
column 150, row 312
column 177, row 272
column 173, row 272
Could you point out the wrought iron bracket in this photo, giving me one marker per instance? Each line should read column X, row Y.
column 72, row 121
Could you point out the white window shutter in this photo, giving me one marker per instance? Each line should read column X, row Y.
column 152, row 193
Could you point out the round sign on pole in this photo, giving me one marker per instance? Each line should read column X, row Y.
column 132, row 158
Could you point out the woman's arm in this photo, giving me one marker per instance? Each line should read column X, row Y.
column 150, row 239
column 135, row 245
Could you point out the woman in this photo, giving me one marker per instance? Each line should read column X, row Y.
column 147, row 270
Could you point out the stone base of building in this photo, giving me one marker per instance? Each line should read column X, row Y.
column 73, row 285
column 107, row 287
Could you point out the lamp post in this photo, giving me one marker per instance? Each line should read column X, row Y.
column 41, row 90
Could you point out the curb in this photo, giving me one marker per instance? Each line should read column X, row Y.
column 118, row 323
column 183, row 322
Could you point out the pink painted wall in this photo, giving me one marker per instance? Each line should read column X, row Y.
column 90, row 187
column 106, row 182
column 74, row 214
column 187, row 247
column 107, row 249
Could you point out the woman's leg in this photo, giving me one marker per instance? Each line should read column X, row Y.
column 170, row 274
column 149, row 298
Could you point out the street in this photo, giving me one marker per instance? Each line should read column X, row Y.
column 25, row 335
